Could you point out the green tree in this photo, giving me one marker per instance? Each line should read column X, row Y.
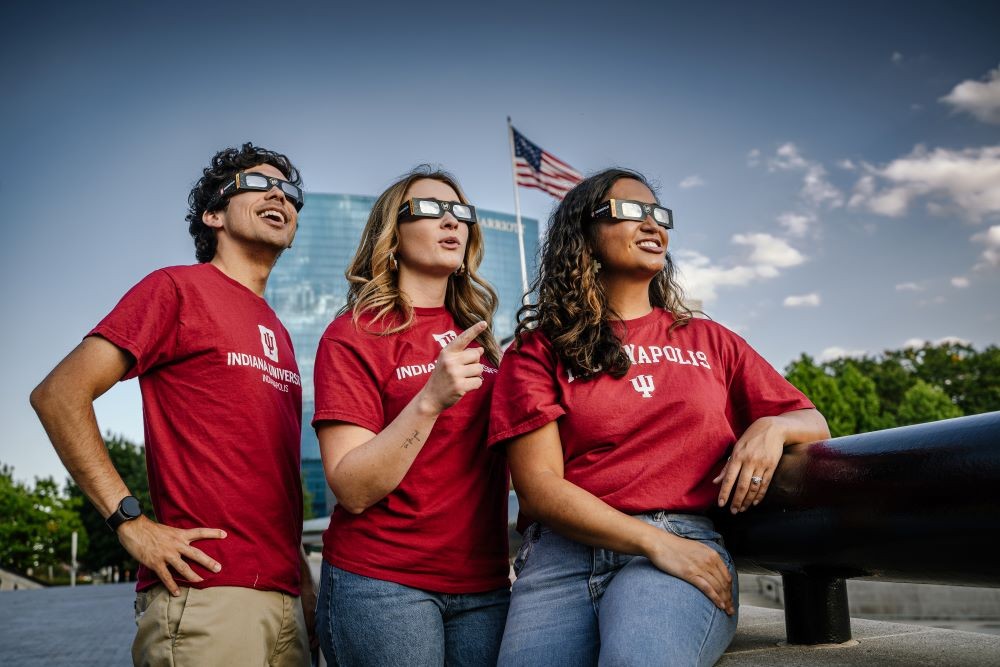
column 970, row 378
column 824, row 391
column 862, row 399
column 105, row 550
column 982, row 390
column 36, row 524
column 307, row 503
column 901, row 387
column 16, row 525
column 890, row 378
column 924, row 403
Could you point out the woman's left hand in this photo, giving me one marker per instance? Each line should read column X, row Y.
column 751, row 466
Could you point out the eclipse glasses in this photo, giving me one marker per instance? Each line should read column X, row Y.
column 435, row 208
column 251, row 181
column 626, row 209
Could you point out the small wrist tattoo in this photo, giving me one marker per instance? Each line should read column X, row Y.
column 413, row 438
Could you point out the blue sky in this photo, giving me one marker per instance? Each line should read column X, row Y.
column 834, row 168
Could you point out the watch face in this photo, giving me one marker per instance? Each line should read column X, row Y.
column 130, row 507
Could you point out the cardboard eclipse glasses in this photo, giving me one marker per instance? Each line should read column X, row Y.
column 250, row 181
column 435, row 208
column 626, row 209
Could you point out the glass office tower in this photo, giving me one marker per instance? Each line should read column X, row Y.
column 307, row 288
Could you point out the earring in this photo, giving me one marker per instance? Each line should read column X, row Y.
column 393, row 265
column 460, row 271
column 597, row 266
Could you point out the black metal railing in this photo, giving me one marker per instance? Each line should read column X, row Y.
column 917, row 504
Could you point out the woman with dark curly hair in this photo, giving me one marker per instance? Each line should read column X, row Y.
column 617, row 410
column 415, row 560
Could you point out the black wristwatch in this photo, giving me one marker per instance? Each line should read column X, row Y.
column 128, row 510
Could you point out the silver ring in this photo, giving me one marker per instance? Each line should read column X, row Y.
column 756, row 479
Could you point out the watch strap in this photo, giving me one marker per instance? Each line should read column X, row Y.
column 120, row 516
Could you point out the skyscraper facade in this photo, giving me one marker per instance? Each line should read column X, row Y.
column 307, row 288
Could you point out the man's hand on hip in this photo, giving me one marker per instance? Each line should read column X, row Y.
column 161, row 547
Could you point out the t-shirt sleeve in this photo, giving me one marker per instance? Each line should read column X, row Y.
column 347, row 384
column 757, row 390
column 145, row 323
column 526, row 395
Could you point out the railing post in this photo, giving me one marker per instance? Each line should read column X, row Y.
column 816, row 609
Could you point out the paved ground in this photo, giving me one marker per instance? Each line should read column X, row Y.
column 762, row 631
column 93, row 626
column 87, row 626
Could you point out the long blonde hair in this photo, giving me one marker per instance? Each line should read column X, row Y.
column 374, row 282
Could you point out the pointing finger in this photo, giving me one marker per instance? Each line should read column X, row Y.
column 463, row 339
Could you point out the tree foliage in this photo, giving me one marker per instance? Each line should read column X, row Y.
column 36, row 524
column 923, row 403
column 900, row 387
column 129, row 460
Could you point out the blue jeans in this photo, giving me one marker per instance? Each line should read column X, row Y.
column 578, row 605
column 366, row 621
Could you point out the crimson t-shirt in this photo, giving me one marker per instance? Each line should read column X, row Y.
column 655, row 438
column 222, row 407
column 444, row 528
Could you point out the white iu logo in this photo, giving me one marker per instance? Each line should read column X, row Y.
column 268, row 341
column 445, row 338
column 644, row 385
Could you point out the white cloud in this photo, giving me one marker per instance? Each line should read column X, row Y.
column 991, row 255
column 946, row 340
column 896, row 57
column 802, row 301
column 960, row 282
column 692, row 182
column 753, row 158
column 768, row 255
column 835, row 352
column 969, row 178
column 980, row 98
column 702, row 279
column 797, row 224
column 847, row 165
column 863, row 189
column 908, row 287
column 816, row 189
column 787, row 157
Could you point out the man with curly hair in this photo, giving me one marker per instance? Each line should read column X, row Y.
column 223, row 579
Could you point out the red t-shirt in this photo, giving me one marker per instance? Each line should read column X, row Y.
column 655, row 438
column 222, row 406
column 444, row 528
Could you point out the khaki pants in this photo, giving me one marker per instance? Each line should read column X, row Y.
column 224, row 625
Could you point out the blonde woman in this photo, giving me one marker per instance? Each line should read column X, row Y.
column 415, row 559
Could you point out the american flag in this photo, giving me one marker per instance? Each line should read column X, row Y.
column 536, row 168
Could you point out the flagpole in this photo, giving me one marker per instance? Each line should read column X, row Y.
column 517, row 213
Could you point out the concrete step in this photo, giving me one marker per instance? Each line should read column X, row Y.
column 761, row 635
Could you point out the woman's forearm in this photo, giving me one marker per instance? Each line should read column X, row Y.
column 369, row 472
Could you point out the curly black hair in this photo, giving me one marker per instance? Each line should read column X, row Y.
column 572, row 308
column 224, row 166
